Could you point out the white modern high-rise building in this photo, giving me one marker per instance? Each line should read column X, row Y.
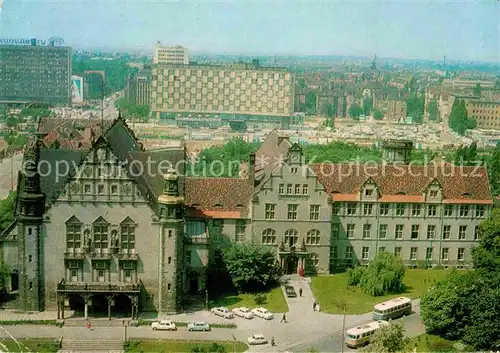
column 171, row 55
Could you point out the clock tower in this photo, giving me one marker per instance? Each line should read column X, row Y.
column 295, row 155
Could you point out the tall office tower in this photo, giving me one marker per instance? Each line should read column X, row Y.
column 35, row 74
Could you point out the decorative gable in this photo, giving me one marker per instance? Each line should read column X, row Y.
column 295, row 155
column 433, row 191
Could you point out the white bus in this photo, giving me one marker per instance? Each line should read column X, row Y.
column 360, row 335
column 392, row 309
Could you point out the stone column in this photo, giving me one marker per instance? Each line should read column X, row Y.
column 110, row 299
column 86, row 311
column 63, row 303
column 58, row 300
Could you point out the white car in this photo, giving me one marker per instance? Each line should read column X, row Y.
column 262, row 313
column 223, row 312
column 165, row 325
column 243, row 312
column 257, row 338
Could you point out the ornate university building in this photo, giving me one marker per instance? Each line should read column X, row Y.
column 104, row 226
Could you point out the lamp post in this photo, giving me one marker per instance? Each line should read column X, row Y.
column 343, row 305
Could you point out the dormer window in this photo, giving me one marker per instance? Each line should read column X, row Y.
column 369, row 192
column 433, row 193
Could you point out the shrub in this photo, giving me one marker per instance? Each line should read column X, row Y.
column 354, row 275
column 260, row 299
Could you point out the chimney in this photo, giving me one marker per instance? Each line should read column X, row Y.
column 251, row 169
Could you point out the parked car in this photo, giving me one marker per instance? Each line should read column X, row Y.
column 290, row 292
column 223, row 312
column 198, row 326
column 262, row 313
column 257, row 338
column 243, row 312
column 165, row 325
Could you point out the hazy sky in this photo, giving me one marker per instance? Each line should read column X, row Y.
column 420, row 29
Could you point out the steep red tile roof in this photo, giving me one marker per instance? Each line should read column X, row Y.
column 218, row 197
column 405, row 183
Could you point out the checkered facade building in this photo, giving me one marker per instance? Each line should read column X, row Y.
column 222, row 90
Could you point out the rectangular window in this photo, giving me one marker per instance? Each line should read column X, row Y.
column 464, row 210
column 368, row 192
column 351, row 209
column 74, row 276
column 397, row 251
column 127, row 275
column 432, row 211
column 365, row 253
column 187, row 257
column 448, row 210
column 292, row 212
column 100, row 238
column 431, row 231
column 114, row 189
column 382, row 232
column 348, row 252
column 87, row 189
column 127, row 235
column 461, row 254
column 367, row 229
column 415, row 228
column 368, row 209
column 381, row 248
column 297, row 189
column 444, row 253
column 400, row 209
column 476, row 233
column 73, row 237
column 313, row 212
column 384, row 209
column 100, row 276
column 240, row 230
column 282, row 188
column 413, row 253
column 335, row 231
column 446, row 232
column 415, row 210
column 336, row 209
column 288, row 188
column 304, row 189
column 334, row 252
column 100, row 189
column 294, row 170
column 428, row 254
column 479, row 211
column 433, row 193
column 462, row 231
column 398, row 233
column 270, row 210
column 350, row 231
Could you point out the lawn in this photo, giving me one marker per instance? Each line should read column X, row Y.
column 332, row 291
column 275, row 302
column 174, row 346
column 432, row 343
column 34, row 345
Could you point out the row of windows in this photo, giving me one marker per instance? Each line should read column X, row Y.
column 101, row 271
column 383, row 231
column 413, row 254
column 293, row 189
column 290, row 237
column 223, row 73
column 401, row 209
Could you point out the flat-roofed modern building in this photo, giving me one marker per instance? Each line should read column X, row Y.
column 171, row 55
column 196, row 94
column 35, row 74
column 486, row 113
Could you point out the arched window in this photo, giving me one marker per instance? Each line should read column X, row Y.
column 314, row 259
column 291, row 237
column 269, row 236
column 312, row 237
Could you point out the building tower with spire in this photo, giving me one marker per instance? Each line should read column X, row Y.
column 171, row 246
column 31, row 207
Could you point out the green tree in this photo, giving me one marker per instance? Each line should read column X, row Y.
column 477, row 90
column 12, row 121
column 415, row 107
column 252, row 268
column 494, row 170
column 4, row 277
column 389, row 339
column 433, row 110
column 355, row 111
column 377, row 114
column 458, row 120
column 467, row 155
column 7, row 210
column 367, row 106
column 486, row 256
column 311, row 102
column 382, row 276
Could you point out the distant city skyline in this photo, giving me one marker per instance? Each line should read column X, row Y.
column 468, row 31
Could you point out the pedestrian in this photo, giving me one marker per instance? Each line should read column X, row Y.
column 283, row 318
column 314, row 306
column 89, row 325
column 318, row 308
column 300, row 292
column 272, row 341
